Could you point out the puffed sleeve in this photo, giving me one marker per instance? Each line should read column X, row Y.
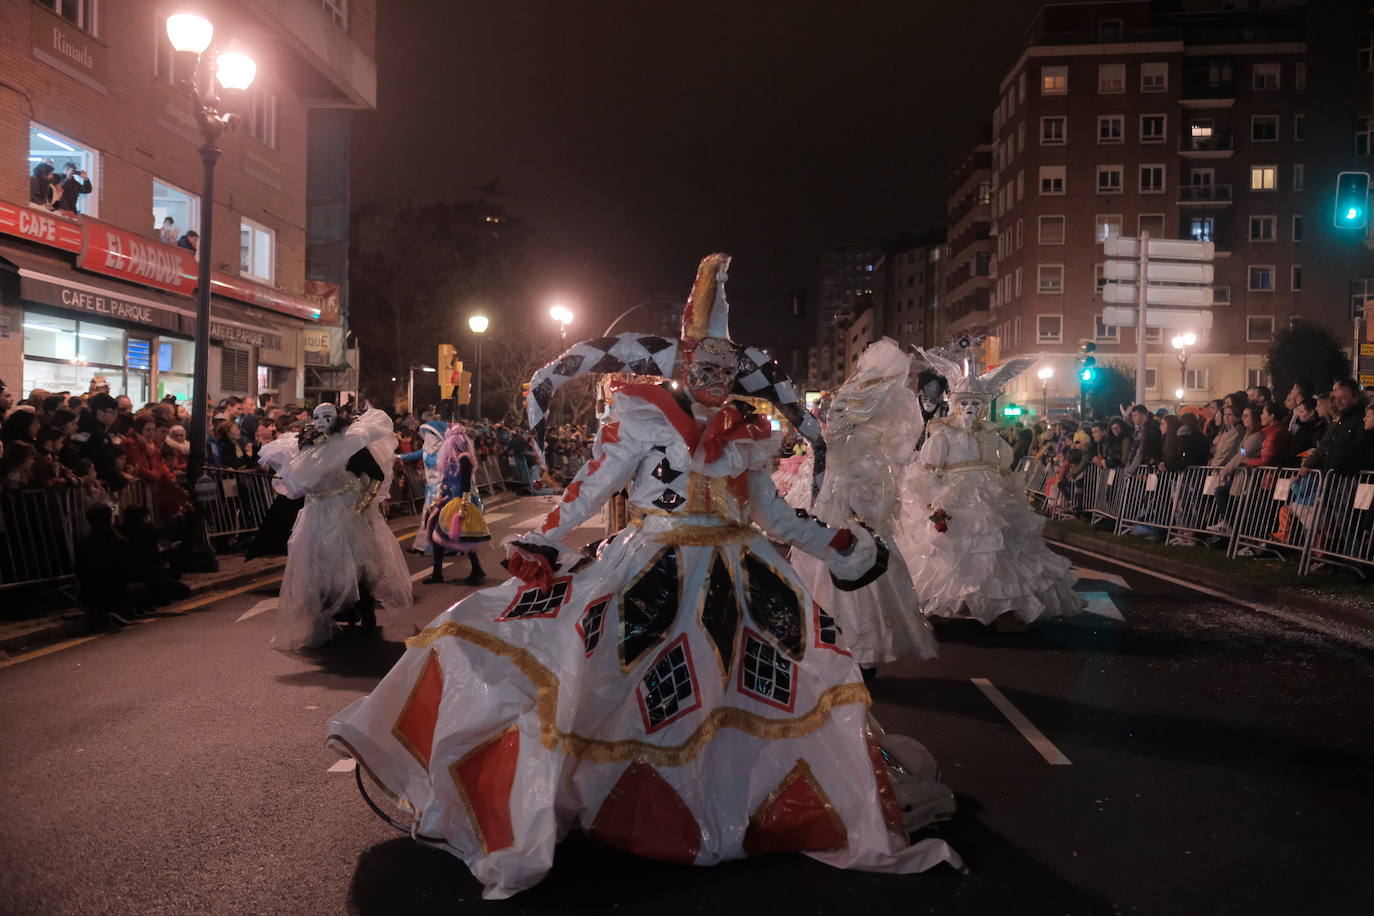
column 771, row 513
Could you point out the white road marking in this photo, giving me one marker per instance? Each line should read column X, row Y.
column 344, row 765
column 262, row 607
column 530, row 522
column 1101, row 604
column 498, row 516
column 424, row 572
column 1035, row 736
column 1113, row 578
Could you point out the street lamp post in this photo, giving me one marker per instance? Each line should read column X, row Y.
column 217, row 84
column 1181, row 343
column 564, row 316
column 1045, row 375
column 478, row 325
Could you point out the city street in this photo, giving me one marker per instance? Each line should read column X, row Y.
column 1169, row 752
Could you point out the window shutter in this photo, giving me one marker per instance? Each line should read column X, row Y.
column 234, row 370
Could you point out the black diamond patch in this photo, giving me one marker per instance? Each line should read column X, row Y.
column 665, row 472
column 530, row 601
column 608, row 363
column 668, row 691
column 647, row 607
column 720, row 612
column 669, row 500
column 542, row 393
column 653, row 344
column 827, row 630
column 569, row 364
column 644, row 366
column 592, row 622
column 765, row 673
column 773, row 605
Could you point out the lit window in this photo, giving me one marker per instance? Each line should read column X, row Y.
column 1111, row 78
column 1107, row 226
column 1262, row 228
column 262, row 117
column 1111, row 128
column 1264, row 177
column 1109, row 179
column 1052, row 179
column 1202, row 228
column 1049, row 328
column 1051, row 230
column 1050, row 279
column 1152, row 179
column 1264, row 128
column 256, row 251
column 1154, row 77
column 1054, row 80
column 80, row 13
column 1053, row 131
column 1152, row 127
column 1262, row 279
column 50, row 153
column 182, row 207
column 1264, row 76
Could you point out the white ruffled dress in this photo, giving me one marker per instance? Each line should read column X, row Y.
column 333, row 546
column 993, row 558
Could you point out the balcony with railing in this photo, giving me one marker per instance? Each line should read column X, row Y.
column 1215, row 144
column 1098, row 36
column 1218, row 195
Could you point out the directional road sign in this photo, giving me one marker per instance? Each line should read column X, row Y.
column 1158, row 272
column 1167, row 249
column 1190, row 319
column 1125, row 293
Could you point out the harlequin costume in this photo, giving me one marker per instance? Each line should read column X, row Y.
column 973, row 545
column 674, row 692
column 342, row 559
column 872, row 422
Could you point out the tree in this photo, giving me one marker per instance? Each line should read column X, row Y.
column 1305, row 350
column 1112, row 388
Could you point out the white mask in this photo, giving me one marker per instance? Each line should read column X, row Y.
column 969, row 408
column 324, row 418
column 930, row 397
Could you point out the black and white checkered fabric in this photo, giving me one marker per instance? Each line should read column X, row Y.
column 760, row 376
column 638, row 354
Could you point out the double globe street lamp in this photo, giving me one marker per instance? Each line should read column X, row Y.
column 1181, row 343
column 217, row 84
column 478, row 325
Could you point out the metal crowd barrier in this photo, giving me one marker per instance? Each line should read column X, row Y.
column 487, row 476
column 1034, row 475
column 240, row 503
column 1106, row 499
column 1276, row 513
column 407, row 489
column 1342, row 522
column 1148, row 499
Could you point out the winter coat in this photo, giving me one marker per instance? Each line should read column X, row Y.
column 1226, row 445
column 1303, row 437
column 1250, row 445
column 1339, row 450
column 93, row 441
column 1273, row 447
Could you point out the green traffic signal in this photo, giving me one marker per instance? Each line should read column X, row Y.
column 1088, row 371
column 1011, row 410
column 1352, row 200
column 1086, row 374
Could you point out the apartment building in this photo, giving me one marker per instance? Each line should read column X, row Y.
column 968, row 273
column 845, row 287
column 1197, row 123
column 102, row 291
column 905, row 289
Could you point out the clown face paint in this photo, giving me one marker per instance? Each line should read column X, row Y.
column 709, row 371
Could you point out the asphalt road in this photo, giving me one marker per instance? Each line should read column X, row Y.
column 1208, row 758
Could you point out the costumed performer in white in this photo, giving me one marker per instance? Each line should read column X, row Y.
column 675, row 692
column 431, row 440
column 342, row 559
column 872, row 422
column 973, row 545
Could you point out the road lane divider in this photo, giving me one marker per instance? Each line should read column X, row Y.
column 1034, row 736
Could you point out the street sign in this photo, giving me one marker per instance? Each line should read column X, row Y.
column 1123, row 293
column 1158, row 272
column 1118, row 246
column 1189, row 319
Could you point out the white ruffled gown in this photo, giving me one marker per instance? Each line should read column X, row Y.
column 993, row 558
column 678, row 694
column 333, row 545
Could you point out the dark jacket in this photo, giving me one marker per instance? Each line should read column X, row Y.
column 1339, row 449
column 93, row 442
column 38, row 183
column 1193, row 449
column 72, row 188
column 1303, row 437
column 1147, row 444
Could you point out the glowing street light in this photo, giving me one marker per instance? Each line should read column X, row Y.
column 478, row 324
column 1045, row 375
column 1181, row 343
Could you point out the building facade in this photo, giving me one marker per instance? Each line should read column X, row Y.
column 968, row 273
column 1197, row 123
column 106, row 290
column 845, row 288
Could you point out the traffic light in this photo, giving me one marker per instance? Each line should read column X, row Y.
column 464, row 388
column 1352, row 200
column 448, row 354
column 1087, row 363
column 524, row 392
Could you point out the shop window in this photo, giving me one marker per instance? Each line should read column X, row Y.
column 64, row 354
column 182, row 206
column 80, row 13
column 54, row 149
column 176, row 361
column 257, row 246
column 262, row 117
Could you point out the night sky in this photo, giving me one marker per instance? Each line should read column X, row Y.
column 637, row 136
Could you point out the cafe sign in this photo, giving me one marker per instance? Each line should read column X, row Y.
column 234, row 333
column 40, row 226
column 118, row 253
column 101, row 303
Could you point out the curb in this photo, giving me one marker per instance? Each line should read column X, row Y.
column 70, row 623
column 1197, row 575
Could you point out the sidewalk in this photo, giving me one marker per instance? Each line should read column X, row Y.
column 234, row 571
column 1339, row 597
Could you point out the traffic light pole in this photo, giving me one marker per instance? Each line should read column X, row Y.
column 1142, row 294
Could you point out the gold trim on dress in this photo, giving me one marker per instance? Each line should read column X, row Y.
column 803, row 772
column 698, row 535
column 601, row 751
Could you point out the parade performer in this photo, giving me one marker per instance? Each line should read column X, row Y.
column 431, row 439
column 973, row 545
column 872, row 422
column 342, row 559
column 931, row 391
column 674, row 692
column 455, row 523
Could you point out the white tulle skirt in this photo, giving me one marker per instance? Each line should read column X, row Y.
column 687, row 703
column 993, row 558
column 332, row 549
